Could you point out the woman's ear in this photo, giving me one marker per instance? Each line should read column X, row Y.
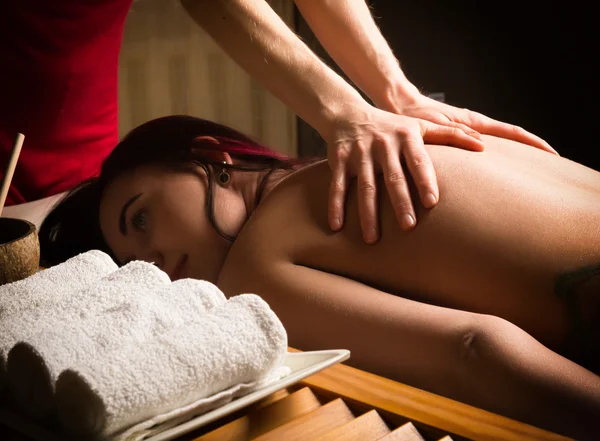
column 227, row 158
column 207, row 140
column 211, row 153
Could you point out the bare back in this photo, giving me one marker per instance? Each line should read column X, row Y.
column 510, row 220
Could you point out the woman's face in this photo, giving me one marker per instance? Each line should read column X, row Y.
column 159, row 216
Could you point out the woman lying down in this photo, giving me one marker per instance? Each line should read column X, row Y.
column 492, row 300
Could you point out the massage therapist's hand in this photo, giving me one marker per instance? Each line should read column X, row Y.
column 426, row 108
column 367, row 140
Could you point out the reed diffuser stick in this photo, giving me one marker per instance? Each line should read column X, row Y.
column 10, row 169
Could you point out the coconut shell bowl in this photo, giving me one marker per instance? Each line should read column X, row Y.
column 19, row 250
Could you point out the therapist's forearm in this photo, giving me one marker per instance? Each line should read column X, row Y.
column 348, row 32
column 258, row 40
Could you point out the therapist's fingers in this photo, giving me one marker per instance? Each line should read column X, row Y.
column 396, row 184
column 337, row 190
column 367, row 196
column 451, row 134
column 422, row 171
column 489, row 126
column 470, row 132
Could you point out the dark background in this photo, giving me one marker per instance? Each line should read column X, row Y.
column 528, row 63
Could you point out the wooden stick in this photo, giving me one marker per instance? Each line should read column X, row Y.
column 10, row 169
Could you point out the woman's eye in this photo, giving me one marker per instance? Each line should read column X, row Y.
column 138, row 221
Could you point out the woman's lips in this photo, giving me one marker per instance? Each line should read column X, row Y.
column 180, row 269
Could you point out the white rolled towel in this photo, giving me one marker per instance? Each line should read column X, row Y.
column 45, row 288
column 55, row 334
column 241, row 341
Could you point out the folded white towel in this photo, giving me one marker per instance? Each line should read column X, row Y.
column 89, row 320
column 48, row 287
column 241, row 341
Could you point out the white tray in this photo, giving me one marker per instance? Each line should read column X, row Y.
column 301, row 364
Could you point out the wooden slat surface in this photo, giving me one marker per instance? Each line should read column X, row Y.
column 432, row 414
column 406, row 432
column 275, row 396
column 265, row 418
column 345, row 404
column 313, row 424
column 367, row 427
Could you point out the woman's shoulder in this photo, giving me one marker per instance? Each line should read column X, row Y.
column 293, row 212
column 294, row 188
column 297, row 199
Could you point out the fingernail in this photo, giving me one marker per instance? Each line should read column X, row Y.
column 430, row 200
column 336, row 224
column 371, row 236
column 407, row 221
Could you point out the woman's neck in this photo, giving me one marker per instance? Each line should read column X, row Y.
column 255, row 186
column 268, row 181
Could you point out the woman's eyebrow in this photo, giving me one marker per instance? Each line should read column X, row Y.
column 123, row 215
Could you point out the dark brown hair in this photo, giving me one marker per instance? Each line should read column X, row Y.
column 72, row 227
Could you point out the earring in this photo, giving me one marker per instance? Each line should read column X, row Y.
column 224, row 176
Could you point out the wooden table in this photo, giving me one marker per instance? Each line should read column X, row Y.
column 342, row 403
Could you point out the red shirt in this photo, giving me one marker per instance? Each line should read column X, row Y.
column 58, row 86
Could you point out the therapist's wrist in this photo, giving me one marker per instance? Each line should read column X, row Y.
column 398, row 94
column 338, row 110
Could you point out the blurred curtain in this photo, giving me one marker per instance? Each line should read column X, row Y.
column 169, row 65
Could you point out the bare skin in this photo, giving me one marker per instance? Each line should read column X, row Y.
column 361, row 138
column 463, row 306
column 497, row 241
column 436, row 307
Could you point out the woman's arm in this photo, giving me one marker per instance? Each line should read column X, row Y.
column 477, row 359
